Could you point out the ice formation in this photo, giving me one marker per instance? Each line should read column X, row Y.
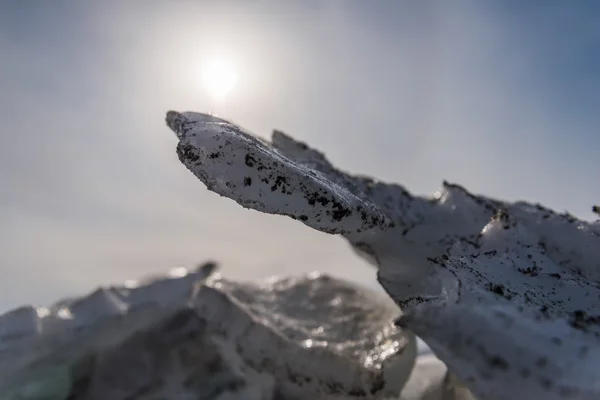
column 506, row 294
column 200, row 336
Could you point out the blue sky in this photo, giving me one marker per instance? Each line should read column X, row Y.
column 499, row 97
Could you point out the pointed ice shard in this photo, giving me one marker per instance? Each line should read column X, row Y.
column 507, row 294
column 235, row 164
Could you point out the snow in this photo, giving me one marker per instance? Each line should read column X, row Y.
column 506, row 294
column 230, row 161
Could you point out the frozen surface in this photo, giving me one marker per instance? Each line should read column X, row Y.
column 506, row 294
column 197, row 335
column 234, row 162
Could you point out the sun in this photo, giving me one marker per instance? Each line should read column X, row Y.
column 219, row 77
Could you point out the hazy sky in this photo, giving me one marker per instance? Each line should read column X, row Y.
column 502, row 97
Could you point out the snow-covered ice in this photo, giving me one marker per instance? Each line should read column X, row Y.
column 506, row 294
column 203, row 336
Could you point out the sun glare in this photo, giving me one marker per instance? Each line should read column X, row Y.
column 219, row 78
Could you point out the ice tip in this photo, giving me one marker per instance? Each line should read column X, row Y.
column 175, row 121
